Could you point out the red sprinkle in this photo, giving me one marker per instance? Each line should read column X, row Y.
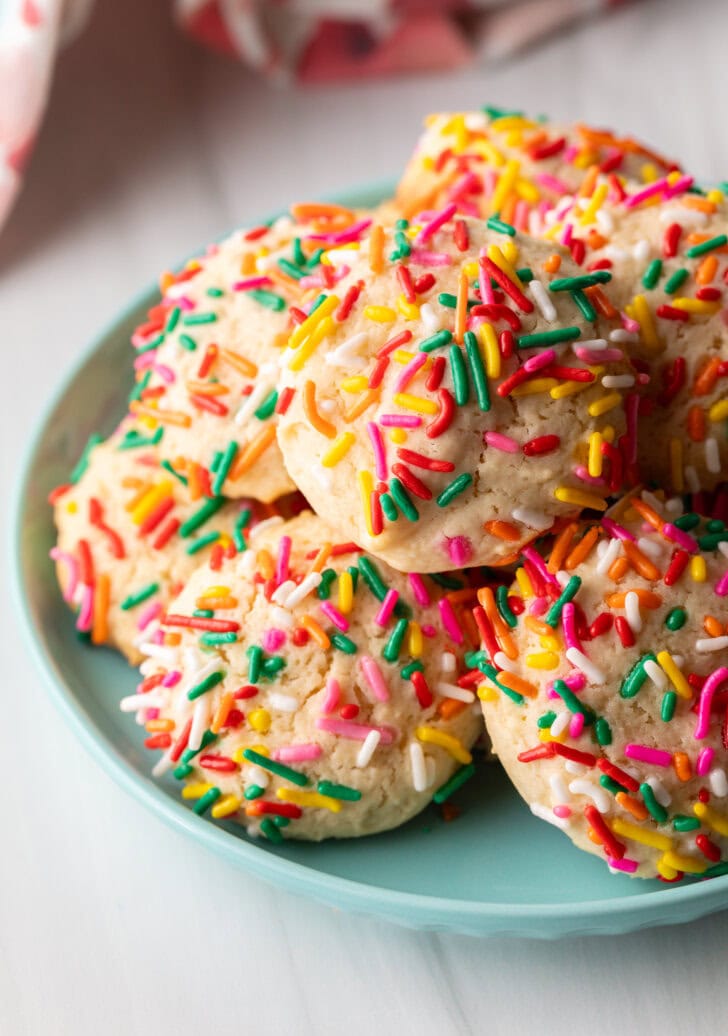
column 181, row 742
column 423, row 692
column 166, row 533
column 437, row 371
column 670, row 313
column 677, row 566
column 618, row 775
column 461, row 236
column 709, row 849
column 197, row 623
column 348, row 301
column 210, row 404
column 207, row 360
column 613, row 846
column 601, row 625
column 541, row 444
column 624, row 631
column 411, row 482
column 420, row 461
column 405, row 280
column 284, row 400
column 670, row 240
column 220, row 763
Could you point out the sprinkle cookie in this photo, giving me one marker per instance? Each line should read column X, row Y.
column 608, row 686
column 458, row 392
column 312, row 694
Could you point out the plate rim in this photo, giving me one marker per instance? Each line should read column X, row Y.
column 654, row 907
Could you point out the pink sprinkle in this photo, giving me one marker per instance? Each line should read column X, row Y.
column 629, row 324
column 248, row 283
column 552, row 183
column 711, row 685
column 576, row 725
column 355, row 731
column 567, row 235
column 583, row 475
column 333, row 613
column 450, row 623
column 679, row 536
column 704, row 761
column 656, row 187
column 407, row 374
column 721, row 587
column 172, row 678
column 429, row 631
column 535, row 559
column 57, row 554
column 151, row 714
column 373, row 676
column 150, row 612
column 465, row 185
column 296, row 753
column 85, row 615
column 645, row 754
column 380, row 458
column 343, row 237
column 520, row 216
column 158, row 637
column 400, row 421
column 501, row 442
column 628, row 866
column 333, row 695
column 284, row 556
column 568, row 622
column 616, row 531
column 435, row 223
column 540, row 360
column 598, row 355
column 315, row 280
column 419, row 257
column 273, row 639
column 487, row 295
column 563, row 811
column 419, row 589
column 575, row 681
column 681, row 185
column 186, row 303
column 385, row 612
column 538, row 606
column 460, row 550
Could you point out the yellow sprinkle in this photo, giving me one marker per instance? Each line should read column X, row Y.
column 595, row 203
column 643, row 316
column 309, row 798
column 402, row 356
column 304, row 330
column 696, row 306
column 708, row 815
column 509, row 248
column 594, row 466
column 551, row 643
column 491, row 352
column 366, row 485
column 415, row 639
column 715, row 196
column 505, row 184
column 718, row 411
column 641, row 834
column 196, row 790
column 339, row 449
column 666, row 872
column 471, row 269
column 680, row 862
column 552, row 232
column 534, row 387
column 568, row 388
column 216, row 591
column 432, row 736
column 346, row 592
column 307, row 349
column 546, row 736
column 579, row 498
column 489, row 152
column 398, row 436
column 356, row 383
column 524, row 583
column 72, row 507
column 382, row 314
column 487, row 693
column 151, row 499
column 608, row 433
column 259, row 720
column 527, row 190
column 606, row 403
column 698, row 570
column 409, row 310
column 497, row 256
column 226, row 806
column 542, row 660
column 416, row 403
column 671, row 671
column 649, row 172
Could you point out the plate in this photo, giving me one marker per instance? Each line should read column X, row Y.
column 495, row 870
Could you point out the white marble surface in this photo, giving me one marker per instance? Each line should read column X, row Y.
column 109, row 922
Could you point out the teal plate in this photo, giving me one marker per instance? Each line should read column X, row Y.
column 495, row 870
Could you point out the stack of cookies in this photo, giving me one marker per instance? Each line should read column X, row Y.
column 385, row 473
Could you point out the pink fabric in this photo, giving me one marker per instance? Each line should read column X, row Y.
column 282, row 39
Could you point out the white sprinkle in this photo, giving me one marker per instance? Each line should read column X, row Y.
column 641, row 251
column 617, row 255
column 148, row 667
column 593, row 343
column 632, row 610
column 674, row 505
column 691, row 479
column 323, row 476
column 558, row 789
column 256, row 775
column 546, row 814
column 368, row 748
column 281, row 702
column 718, row 782
column 447, row 662
column 200, row 720
column 605, row 222
column 560, row 724
column 712, row 456
column 655, row 674
column 723, row 548
column 542, row 300
column 562, row 577
column 502, row 660
column 304, row 588
column 593, row 673
column 134, row 702
column 711, row 644
column 620, row 335
column 576, row 768
column 347, row 354
column 451, row 690
column 281, row 592
column 617, row 380
column 263, row 388
column 267, row 523
column 417, row 762
column 280, row 617
column 598, row 796
column 688, row 217
column 661, row 793
column 611, row 553
column 533, row 519
column 162, row 765
column 429, row 317
column 198, row 675
column 650, row 547
column 166, row 655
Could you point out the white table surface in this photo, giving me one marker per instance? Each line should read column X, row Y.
column 110, row 922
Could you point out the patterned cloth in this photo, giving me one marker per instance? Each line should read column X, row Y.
column 310, row 40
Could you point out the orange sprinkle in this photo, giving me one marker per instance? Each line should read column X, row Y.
column 645, row 511
column 240, row 363
column 618, row 569
column 712, row 627
column 589, row 182
column 222, row 712
column 207, row 388
column 165, row 416
column 325, row 213
column 448, row 708
column 640, row 562
column 138, row 496
column 216, row 603
column 376, row 248
column 502, row 631
column 503, row 530
column 647, row 598
column 255, row 448
column 467, row 621
column 691, row 201
column 265, row 564
column 314, row 417
column 595, row 239
column 100, row 627
column 321, row 558
column 707, row 270
column 517, row 684
column 468, row 594
column 312, row 627
column 536, row 626
column 154, row 726
column 681, row 766
column 560, row 547
column 364, row 402
column 552, row 263
column 707, row 377
column 172, row 639
column 601, row 301
column 195, row 483
column 247, row 264
column 461, row 308
column 696, row 424
column 582, row 550
column 633, row 806
column 508, row 208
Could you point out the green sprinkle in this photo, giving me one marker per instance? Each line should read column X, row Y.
column 210, row 681
column 182, row 771
column 189, row 754
column 457, row 486
column 338, row 791
column 202, row 515
column 272, row 666
column 401, row 224
column 137, row 598
column 354, row 573
column 715, row 525
column 253, row 792
column 172, row 319
column 224, row 466
column 492, row 673
column 271, row 831
column 255, row 662
column 587, row 280
column 413, row 667
column 215, row 293
column 716, row 871
column 636, row 677
column 202, row 541
column 392, row 647
column 603, row 732
column 525, row 274
column 610, row 784
column 667, row 709
column 267, row 407
column 404, row 248
column 203, row 613
column 82, row 464
column 136, row 392
column 446, row 580
column 571, row 701
column 389, row 507
column 477, row 371
column 501, row 599
column 269, row 299
column 500, row 227
column 323, row 590
column 370, row 575
column 553, row 615
column 298, row 257
column 279, row 769
column 187, row 343
column 459, row 374
column 707, row 246
column 711, row 541
column 652, row 274
column 688, row 521
column 238, row 535
column 215, row 462
column 544, row 722
column 206, row 800
column 290, row 269
column 584, row 305
column 676, row 280
column 154, row 343
column 281, row 821
column 344, row 643
column 132, row 440
column 457, row 780
column 243, row 518
column 315, row 259
column 403, row 500
column 682, row 823
column 199, row 318
column 451, row 301
column 564, row 334
column 436, row 341
column 494, row 113
column 656, row 811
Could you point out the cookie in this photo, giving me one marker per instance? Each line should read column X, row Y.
column 607, row 689
column 457, row 393
column 317, row 696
